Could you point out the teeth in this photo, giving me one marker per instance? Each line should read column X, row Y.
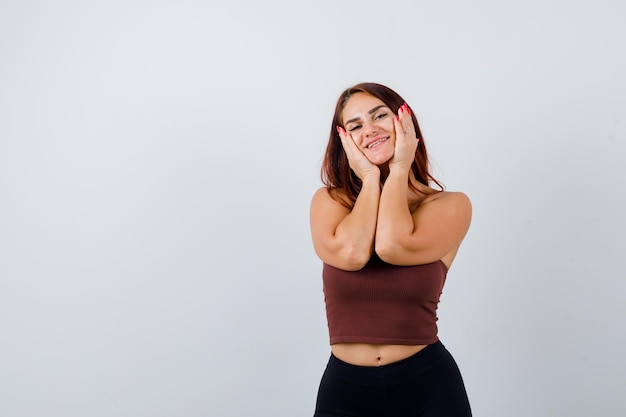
column 376, row 143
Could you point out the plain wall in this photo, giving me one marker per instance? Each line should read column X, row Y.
column 157, row 160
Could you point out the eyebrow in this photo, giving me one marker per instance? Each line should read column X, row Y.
column 374, row 110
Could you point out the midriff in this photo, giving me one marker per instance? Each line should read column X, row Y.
column 366, row 354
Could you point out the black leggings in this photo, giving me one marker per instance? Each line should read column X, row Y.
column 426, row 384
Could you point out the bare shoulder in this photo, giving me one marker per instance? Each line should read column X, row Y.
column 449, row 198
column 446, row 205
column 327, row 209
column 321, row 193
column 325, row 197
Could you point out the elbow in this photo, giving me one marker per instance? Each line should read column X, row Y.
column 348, row 258
column 394, row 250
column 386, row 256
column 353, row 267
column 354, row 259
column 387, row 251
column 356, row 263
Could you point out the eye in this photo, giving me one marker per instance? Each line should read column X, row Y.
column 381, row 116
column 355, row 127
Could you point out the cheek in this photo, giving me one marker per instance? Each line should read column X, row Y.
column 390, row 125
column 359, row 139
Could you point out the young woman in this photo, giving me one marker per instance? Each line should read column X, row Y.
column 387, row 240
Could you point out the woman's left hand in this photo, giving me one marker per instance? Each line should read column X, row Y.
column 406, row 140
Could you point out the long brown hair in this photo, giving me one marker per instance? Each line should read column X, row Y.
column 336, row 172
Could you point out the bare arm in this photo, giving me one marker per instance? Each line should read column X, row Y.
column 437, row 226
column 435, row 229
column 343, row 237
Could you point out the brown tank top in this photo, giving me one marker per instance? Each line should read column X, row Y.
column 384, row 303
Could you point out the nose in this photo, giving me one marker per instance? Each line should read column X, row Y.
column 370, row 129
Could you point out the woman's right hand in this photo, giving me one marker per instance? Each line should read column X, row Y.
column 358, row 162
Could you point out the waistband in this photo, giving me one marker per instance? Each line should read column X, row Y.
column 392, row 373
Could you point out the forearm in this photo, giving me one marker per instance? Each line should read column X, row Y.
column 395, row 223
column 356, row 231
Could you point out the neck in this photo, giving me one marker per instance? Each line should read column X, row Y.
column 384, row 172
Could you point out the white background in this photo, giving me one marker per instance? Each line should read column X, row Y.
column 157, row 160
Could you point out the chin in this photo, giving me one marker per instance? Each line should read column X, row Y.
column 380, row 160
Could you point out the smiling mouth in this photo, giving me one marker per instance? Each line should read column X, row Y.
column 377, row 142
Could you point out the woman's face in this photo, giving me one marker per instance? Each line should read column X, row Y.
column 370, row 123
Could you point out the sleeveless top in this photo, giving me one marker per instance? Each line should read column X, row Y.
column 384, row 303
